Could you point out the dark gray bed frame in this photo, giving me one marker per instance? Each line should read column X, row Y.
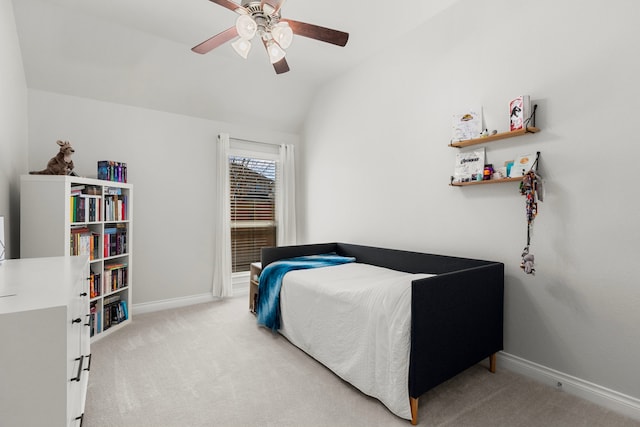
column 456, row 316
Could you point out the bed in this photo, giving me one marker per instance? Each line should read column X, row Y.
column 448, row 309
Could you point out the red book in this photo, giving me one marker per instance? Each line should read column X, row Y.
column 106, row 245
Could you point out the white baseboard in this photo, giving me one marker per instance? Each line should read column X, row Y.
column 239, row 289
column 148, row 307
column 610, row 399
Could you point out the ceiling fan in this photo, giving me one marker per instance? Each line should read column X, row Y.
column 262, row 18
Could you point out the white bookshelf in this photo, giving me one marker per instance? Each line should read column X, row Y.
column 48, row 227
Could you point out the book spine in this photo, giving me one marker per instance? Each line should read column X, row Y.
column 106, row 245
column 124, row 310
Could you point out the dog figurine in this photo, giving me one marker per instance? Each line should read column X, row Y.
column 61, row 164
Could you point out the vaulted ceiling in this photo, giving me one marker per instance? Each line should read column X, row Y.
column 138, row 52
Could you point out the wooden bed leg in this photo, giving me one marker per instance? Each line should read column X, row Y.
column 492, row 363
column 413, row 401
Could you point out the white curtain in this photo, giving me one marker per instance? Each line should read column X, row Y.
column 222, row 285
column 285, row 199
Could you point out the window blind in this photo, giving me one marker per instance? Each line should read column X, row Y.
column 252, row 193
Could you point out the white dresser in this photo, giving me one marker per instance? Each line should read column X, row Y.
column 44, row 341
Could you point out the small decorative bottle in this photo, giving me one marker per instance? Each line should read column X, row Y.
column 488, row 172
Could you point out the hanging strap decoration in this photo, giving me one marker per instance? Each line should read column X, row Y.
column 530, row 188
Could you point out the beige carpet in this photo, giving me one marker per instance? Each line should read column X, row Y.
column 210, row 365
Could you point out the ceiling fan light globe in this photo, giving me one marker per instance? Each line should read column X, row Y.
column 283, row 34
column 268, row 9
column 246, row 27
column 242, row 47
column 276, row 53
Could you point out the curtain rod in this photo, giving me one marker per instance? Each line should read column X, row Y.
column 253, row 142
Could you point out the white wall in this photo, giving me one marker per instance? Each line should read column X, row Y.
column 377, row 168
column 171, row 163
column 13, row 127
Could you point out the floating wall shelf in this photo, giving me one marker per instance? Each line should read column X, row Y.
column 496, row 137
column 484, row 140
column 489, row 181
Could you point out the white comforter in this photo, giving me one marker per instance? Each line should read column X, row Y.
column 356, row 320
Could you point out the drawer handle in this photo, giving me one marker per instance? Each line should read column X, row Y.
column 77, row 377
column 77, row 320
column 88, row 368
column 84, row 294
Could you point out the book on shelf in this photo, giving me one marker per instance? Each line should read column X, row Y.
column 115, row 311
column 115, row 240
column 93, row 312
column 95, row 285
column 85, row 208
column 84, row 241
column 111, row 299
column 110, row 170
column 113, row 191
column 116, row 277
column 92, row 320
column 115, row 266
column 116, row 207
column 469, row 165
column 519, row 111
column 522, row 165
column 93, row 190
column 467, row 125
column 125, row 311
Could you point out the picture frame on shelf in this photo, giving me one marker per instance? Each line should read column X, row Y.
column 522, row 164
column 467, row 125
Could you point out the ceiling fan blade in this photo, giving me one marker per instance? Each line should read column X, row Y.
column 230, row 5
column 317, row 32
column 281, row 66
column 275, row 4
column 215, row 41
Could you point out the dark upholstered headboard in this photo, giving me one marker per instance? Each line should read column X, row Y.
column 410, row 262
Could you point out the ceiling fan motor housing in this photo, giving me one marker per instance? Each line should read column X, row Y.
column 265, row 21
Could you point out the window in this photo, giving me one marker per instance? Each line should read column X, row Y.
column 252, row 185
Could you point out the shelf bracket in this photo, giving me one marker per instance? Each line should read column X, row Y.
column 532, row 119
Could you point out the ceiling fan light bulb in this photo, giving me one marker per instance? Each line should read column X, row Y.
column 242, row 47
column 276, row 53
column 283, row 34
column 246, row 27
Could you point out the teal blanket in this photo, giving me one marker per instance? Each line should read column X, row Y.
column 271, row 281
